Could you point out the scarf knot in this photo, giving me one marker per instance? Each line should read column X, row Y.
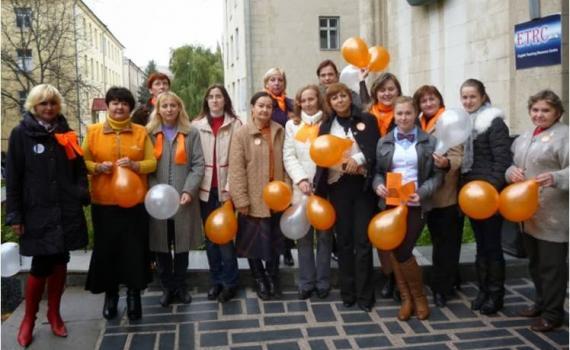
column 384, row 116
column 69, row 142
column 180, row 153
column 280, row 100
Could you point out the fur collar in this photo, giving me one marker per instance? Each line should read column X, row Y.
column 483, row 119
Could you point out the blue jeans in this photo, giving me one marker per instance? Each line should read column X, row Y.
column 221, row 258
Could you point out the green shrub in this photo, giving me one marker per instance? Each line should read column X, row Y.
column 468, row 237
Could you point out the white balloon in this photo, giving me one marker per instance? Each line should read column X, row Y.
column 294, row 222
column 10, row 259
column 162, row 201
column 349, row 76
column 452, row 129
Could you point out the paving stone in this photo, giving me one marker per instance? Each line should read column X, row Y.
column 178, row 318
column 469, row 292
column 488, row 343
column 388, row 313
column 535, row 339
column 213, row 339
column 432, row 338
column 186, row 336
column 362, row 329
column 318, row 344
column 283, row 346
column 460, row 310
column 158, row 309
column 252, row 306
column 417, row 326
column 559, row 336
column 483, row 334
column 273, row 308
column 372, row 342
column 112, row 342
column 456, row 325
column 284, row 320
column 515, row 299
column 248, row 337
column 232, row 307
column 211, row 306
column 517, row 281
column 323, row 313
column 353, row 317
column 227, row 325
column 138, row 329
column 321, row 331
column 394, row 327
column 143, row 342
column 166, row 341
column 527, row 292
column 512, row 323
column 428, row 347
column 435, row 315
column 296, row 306
column 342, row 344
column 253, row 347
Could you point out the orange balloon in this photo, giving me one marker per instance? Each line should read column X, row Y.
column 221, row 225
column 387, row 229
column 379, row 58
column 355, row 51
column 320, row 212
column 128, row 188
column 277, row 195
column 479, row 199
column 518, row 202
column 328, row 150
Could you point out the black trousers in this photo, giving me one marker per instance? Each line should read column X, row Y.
column 549, row 272
column 354, row 209
column 172, row 269
column 488, row 238
column 443, row 225
column 415, row 224
column 43, row 265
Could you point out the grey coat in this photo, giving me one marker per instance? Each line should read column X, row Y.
column 185, row 178
column 429, row 177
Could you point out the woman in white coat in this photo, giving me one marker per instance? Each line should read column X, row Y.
column 299, row 133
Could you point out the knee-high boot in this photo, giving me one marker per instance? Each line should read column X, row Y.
column 258, row 273
column 481, row 268
column 34, row 290
column 413, row 275
column 495, row 288
column 406, row 306
column 55, row 288
column 272, row 271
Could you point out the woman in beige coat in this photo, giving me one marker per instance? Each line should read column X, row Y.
column 180, row 164
column 256, row 158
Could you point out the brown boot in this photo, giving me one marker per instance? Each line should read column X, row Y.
column 413, row 275
column 406, row 306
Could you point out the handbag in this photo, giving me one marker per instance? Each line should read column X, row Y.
column 512, row 240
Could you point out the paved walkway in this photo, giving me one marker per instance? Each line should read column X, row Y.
column 288, row 323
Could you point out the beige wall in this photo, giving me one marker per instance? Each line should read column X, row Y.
column 447, row 42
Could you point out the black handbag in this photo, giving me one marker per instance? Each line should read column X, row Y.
column 512, row 240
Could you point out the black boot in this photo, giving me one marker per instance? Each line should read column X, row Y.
column 495, row 287
column 258, row 273
column 272, row 272
column 481, row 267
column 110, row 306
column 134, row 309
column 388, row 289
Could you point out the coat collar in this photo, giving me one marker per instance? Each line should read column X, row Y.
column 181, row 129
column 274, row 127
column 33, row 128
column 203, row 123
column 422, row 136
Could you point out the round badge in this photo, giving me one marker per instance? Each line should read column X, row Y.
column 545, row 138
column 257, row 142
column 39, row 148
column 360, row 126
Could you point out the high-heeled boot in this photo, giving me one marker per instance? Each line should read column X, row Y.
column 258, row 273
column 34, row 290
column 495, row 288
column 406, row 306
column 413, row 275
column 481, row 267
column 272, row 271
column 134, row 308
column 55, row 288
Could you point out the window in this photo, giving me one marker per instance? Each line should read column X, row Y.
column 328, row 33
column 23, row 17
column 25, row 59
column 237, row 44
column 92, row 70
column 22, row 96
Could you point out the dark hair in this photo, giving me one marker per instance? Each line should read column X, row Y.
column 228, row 106
column 326, row 63
column 334, row 89
column 257, row 96
column 156, row 76
column 121, row 94
column 477, row 85
column 321, row 101
column 549, row 97
column 426, row 90
column 380, row 81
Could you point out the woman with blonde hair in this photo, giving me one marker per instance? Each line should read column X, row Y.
column 180, row 163
column 46, row 187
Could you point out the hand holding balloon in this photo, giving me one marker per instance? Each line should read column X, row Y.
column 441, row 162
column 545, row 179
column 128, row 163
column 305, row 187
column 363, row 74
column 350, row 166
column 104, row 167
column 516, row 175
column 186, row 198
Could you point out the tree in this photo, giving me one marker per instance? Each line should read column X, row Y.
column 143, row 93
column 195, row 68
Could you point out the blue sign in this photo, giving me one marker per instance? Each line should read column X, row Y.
column 538, row 42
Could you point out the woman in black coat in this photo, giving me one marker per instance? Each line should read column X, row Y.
column 348, row 188
column 46, row 189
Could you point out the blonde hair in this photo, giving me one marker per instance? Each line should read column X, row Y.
column 155, row 119
column 273, row 71
column 401, row 100
column 42, row 93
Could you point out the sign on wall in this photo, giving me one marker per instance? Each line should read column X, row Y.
column 538, row 42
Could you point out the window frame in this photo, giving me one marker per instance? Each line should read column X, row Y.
column 25, row 62
column 328, row 30
column 23, row 14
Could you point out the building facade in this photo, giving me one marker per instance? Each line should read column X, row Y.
column 133, row 76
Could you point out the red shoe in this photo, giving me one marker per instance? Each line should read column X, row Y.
column 56, row 285
column 34, row 290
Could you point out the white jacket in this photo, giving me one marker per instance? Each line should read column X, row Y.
column 296, row 158
column 222, row 143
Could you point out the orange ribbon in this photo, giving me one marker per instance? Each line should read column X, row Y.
column 307, row 133
column 384, row 116
column 69, row 142
column 428, row 125
column 180, row 153
column 280, row 100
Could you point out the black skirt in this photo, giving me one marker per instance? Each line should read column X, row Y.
column 259, row 238
column 120, row 255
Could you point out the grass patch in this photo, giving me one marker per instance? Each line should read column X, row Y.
column 468, row 236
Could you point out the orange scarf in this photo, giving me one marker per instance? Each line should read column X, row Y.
column 428, row 125
column 307, row 133
column 153, row 101
column 179, row 155
column 280, row 100
column 69, row 142
column 384, row 116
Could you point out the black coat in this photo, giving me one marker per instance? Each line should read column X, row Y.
column 366, row 138
column 45, row 191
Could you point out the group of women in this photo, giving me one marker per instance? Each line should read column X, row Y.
column 215, row 158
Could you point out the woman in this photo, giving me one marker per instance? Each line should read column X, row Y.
column 217, row 123
column 157, row 83
column 46, row 187
column 309, row 106
column 180, row 164
column 542, row 154
column 408, row 150
column 256, row 158
column 444, row 219
column 348, row 188
column 120, row 253
column 486, row 157
column 275, row 83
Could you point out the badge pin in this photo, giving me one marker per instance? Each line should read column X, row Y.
column 545, row 138
column 360, row 126
column 39, row 148
column 257, row 142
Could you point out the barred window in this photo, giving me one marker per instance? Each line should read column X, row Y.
column 329, row 33
column 25, row 59
column 23, row 17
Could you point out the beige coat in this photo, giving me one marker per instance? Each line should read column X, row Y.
column 249, row 167
column 222, row 142
column 184, row 178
